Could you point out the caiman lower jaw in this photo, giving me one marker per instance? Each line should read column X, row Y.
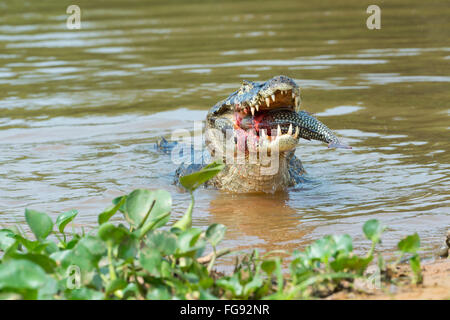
column 256, row 141
column 254, row 130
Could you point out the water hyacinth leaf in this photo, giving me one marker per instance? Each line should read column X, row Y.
column 86, row 254
column 137, row 206
column 21, row 274
column 110, row 211
column 40, row 223
column 196, row 179
column 41, row 260
column 48, row 291
column 120, row 200
column 165, row 242
column 84, row 294
column 215, row 233
column 64, row 219
column 155, row 222
column 159, row 293
column 143, row 205
column 116, row 284
column 268, row 266
column 7, row 239
column 252, row 286
column 232, row 284
column 32, row 246
column 128, row 248
column 187, row 240
column 373, row 230
column 206, row 295
column 131, row 290
column 410, row 244
column 415, row 267
column 322, row 249
column 150, row 260
column 50, row 247
column 354, row 263
column 343, row 243
column 113, row 234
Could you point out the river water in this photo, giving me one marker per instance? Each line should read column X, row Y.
column 81, row 109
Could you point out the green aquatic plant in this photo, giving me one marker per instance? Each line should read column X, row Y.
column 411, row 244
column 143, row 258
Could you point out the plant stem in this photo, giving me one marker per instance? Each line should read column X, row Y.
column 212, row 260
column 112, row 272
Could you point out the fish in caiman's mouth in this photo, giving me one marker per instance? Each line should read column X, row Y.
column 267, row 115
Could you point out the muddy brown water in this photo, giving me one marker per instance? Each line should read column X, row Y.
column 80, row 110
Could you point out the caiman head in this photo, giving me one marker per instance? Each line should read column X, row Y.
column 255, row 132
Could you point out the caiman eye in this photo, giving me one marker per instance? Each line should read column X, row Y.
column 248, row 85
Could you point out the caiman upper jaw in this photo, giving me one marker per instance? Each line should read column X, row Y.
column 280, row 91
column 274, row 100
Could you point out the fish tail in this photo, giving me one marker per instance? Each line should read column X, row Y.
column 338, row 144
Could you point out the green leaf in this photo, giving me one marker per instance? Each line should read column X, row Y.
column 130, row 291
column 39, row 222
column 354, row 263
column 159, row 293
column 64, row 219
column 232, row 284
column 322, row 249
column 152, row 224
column 186, row 220
column 188, row 244
column 86, row 254
column 119, row 200
column 410, row 244
column 32, row 246
column 206, row 295
column 196, row 179
column 110, row 211
column 165, row 242
column 49, row 290
column 150, row 260
column 343, row 243
column 215, row 233
column 7, row 239
column 415, row 267
column 269, row 266
column 21, row 274
column 84, row 294
column 139, row 203
column 252, row 286
column 113, row 234
column 128, row 248
column 41, row 260
column 373, row 230
column 116, row 284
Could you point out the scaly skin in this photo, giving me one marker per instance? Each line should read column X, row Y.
column 260, row 119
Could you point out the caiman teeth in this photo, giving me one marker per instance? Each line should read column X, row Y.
column 268, row 102
column 290, row 129
column 296, row 132
column 263, row 134
column 257, row 107
column 297, row 102
column 253, row 111
column 273, row 97
column 279, row 131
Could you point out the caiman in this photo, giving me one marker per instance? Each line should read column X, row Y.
column 255, row 132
